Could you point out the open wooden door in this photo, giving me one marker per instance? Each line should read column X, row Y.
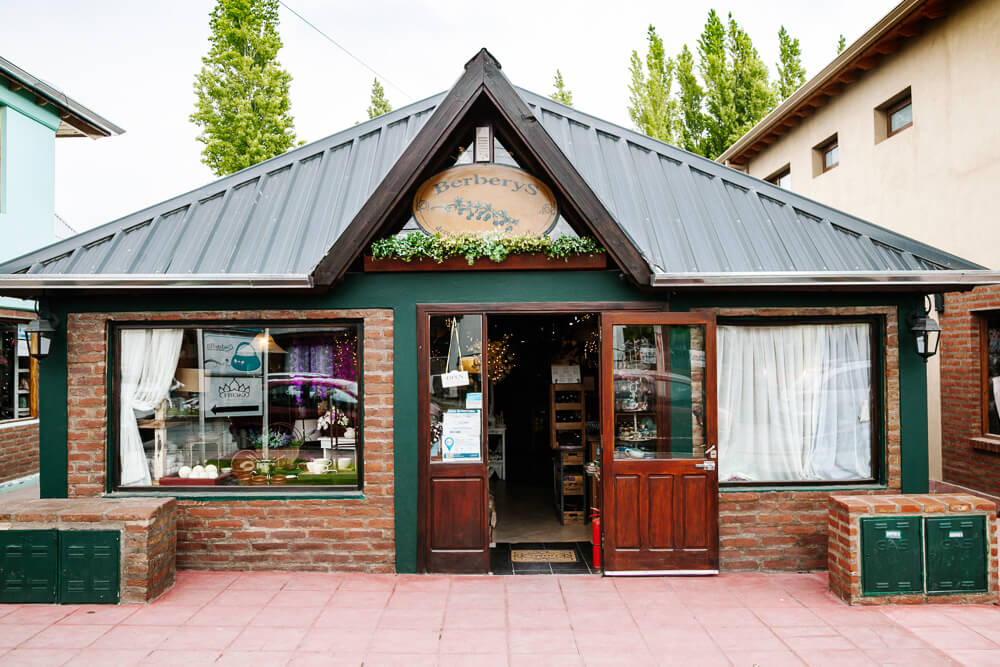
column 453, row 529
column 658, row 421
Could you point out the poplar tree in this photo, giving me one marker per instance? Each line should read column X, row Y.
column 791, row 73
column 560, row 92
column 379, row 103
column 242, row 104
column 651, row 106
column 690, row 98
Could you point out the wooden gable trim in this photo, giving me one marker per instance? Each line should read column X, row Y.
column 482, row 82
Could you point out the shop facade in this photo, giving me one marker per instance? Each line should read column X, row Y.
column 313, row 407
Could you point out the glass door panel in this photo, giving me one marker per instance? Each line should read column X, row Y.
column 456, row 389
column 659, row 397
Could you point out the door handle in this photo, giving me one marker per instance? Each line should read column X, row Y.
column 705, row 465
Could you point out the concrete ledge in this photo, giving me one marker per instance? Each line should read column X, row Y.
column 148, row 529
column 844, row 549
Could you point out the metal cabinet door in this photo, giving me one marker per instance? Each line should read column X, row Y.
column 29, row 567
column 89, row 563
column 956, row 554
column 891, row 555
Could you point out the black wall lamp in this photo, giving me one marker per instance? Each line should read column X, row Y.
column 926, row 331
column 39, row 333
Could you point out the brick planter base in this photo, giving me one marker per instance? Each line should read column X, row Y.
column 148, row 527
column 844, row 550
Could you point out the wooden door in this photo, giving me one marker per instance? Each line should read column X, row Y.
column 453, row 530
column 658, row 421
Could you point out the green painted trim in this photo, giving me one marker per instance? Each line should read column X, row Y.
column 913, row 454
column 53, row 457
column 3, row 159
column 240, row 496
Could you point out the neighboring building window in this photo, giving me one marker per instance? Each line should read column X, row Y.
column 899, row 116
column 796, row 403
column 782, row 178
column 991, row 372
column 17, row 374
column 831, row 155
column 236, row 407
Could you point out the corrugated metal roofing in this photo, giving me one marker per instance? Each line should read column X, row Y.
column 686, row 214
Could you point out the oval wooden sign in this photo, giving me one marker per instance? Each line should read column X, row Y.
column 476, row 198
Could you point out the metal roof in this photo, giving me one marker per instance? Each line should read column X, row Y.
column 75, row 120
column 685, row 214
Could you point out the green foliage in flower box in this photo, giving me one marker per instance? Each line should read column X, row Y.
column 474, row 246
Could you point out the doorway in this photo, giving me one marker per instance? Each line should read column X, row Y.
column 525, row 408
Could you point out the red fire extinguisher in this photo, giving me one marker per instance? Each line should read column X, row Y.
column 596, row 539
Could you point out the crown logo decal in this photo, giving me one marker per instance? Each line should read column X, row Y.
column 234, row 388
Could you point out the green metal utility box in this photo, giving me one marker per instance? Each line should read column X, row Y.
column 69, row 566
column 891, row 555
column 28, row 566
column 956, row 554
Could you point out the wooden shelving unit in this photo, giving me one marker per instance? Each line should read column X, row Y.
column 568, row 436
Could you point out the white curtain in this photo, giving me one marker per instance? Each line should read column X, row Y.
column 148, row 363
column 794, row 402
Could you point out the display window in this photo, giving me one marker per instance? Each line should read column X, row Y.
column 18, row 377
column 233, row 406
column 797, row 403
column 990, row 323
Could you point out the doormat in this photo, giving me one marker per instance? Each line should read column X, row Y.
column 543, row 555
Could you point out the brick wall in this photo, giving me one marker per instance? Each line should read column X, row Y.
column 967, row 458
column 18, row 449
column 787, row 530
column 845, row 513
column 148, row 529
column 284, row 533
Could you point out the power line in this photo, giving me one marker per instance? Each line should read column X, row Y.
column 335, row 43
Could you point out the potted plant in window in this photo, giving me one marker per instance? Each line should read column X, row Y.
column 333, row 424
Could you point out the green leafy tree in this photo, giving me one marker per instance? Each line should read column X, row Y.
column 242, row 92
column 791, row 73
column 560, row 92
column 379, row 103
column 690, row 98
column 651, row 106
column 841, row 45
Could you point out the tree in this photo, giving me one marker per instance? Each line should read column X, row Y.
column 560, row 92
column 690, row 96
column 841, row 45
column 705, row 117
column 379, row 103
column 242, row 92
column 651, row 107
column 791, row 73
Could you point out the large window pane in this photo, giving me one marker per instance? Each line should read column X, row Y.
column 795, row 403
column 456, row 388
column 8, row 371
column 992, row 389
column 240, row 406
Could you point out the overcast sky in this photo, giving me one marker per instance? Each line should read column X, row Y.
column 134, row 63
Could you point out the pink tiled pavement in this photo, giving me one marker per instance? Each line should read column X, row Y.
column 291, row 619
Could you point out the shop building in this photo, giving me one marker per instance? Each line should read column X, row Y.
column 33, row 115
column 730, row 356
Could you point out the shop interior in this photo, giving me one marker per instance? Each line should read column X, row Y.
column 543, row 430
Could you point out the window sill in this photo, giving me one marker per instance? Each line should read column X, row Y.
column 824, row 488
column 986, row 444
column 353, row 494
column 13, row 423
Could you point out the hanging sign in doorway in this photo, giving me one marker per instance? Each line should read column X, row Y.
column 477, row 198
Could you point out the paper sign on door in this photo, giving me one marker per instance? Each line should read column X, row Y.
column 461, row 435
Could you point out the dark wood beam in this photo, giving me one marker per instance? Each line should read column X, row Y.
column 866, row 63
column 911, row 29
column 791, row 121
column 40, row 101
column 832, row 89
column 14, row 86
column 935, row 10
column 849, row 75
column 887, row 46
column 817, row 100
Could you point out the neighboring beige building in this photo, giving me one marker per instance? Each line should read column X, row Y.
column 900, row 129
